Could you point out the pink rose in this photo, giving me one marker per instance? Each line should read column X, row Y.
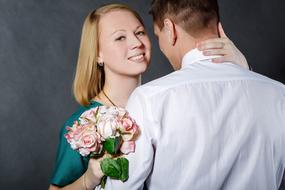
column 128, row 128
column 89, row 142
column 89, row 116
column 122, row 112
column 127, row 147
column 84, row 138
column 72, row 133
column 84, row 151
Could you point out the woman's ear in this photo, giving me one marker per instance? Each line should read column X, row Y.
column 169, row 27
column 100, row 58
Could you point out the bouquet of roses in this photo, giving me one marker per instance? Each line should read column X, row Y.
column 105, row 131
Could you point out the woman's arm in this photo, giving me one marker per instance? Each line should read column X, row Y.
column 77, row 185
column 89, row 180
column 225, row 47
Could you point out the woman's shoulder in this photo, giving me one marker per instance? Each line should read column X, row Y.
column 75, row 116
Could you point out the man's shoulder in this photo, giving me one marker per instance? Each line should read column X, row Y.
column 264, row 79
column 196, row 75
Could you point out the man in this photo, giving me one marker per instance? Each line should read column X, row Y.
column 205, row 126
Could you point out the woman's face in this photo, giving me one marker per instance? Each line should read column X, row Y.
column 124, row 46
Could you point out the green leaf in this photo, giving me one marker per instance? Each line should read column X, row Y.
column 112, row 145
column 103, row 181
column 111, row 168
column 124, row 164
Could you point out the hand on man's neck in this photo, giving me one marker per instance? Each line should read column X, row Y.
column 190, row 43
column 186, row 41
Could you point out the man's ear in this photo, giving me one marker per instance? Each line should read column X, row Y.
column 170, row 29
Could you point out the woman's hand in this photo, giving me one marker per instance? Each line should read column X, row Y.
column 92, row 176
column 225, row 47
column 89, row 180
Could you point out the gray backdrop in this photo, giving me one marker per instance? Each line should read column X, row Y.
column 39, row 43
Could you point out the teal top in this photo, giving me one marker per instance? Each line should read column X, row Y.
column 70, row 165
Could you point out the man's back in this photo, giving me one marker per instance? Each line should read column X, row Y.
column 210, row 126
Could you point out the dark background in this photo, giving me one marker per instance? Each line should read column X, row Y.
column 39, row 41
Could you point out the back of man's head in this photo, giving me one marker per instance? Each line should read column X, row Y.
column 194, row 16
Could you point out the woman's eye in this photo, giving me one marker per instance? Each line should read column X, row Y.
column 121, row 38
column 140, row 33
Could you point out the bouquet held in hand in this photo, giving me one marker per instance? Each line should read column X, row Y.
column 105, row 131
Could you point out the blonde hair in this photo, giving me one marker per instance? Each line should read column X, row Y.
column 89, row 77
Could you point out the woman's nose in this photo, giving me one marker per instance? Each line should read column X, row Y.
column 135, row 42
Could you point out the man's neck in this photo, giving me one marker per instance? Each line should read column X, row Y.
column 191, row 43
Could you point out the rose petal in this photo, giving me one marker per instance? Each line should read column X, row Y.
column 127, row 147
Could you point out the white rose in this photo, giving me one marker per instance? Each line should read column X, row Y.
column 107, row 128
column 102, row 110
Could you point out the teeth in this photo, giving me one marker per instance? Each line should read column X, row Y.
column 138, row 57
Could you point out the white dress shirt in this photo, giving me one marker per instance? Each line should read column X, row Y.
column 207, row 126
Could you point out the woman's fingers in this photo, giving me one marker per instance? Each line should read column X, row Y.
column 232, row 59
column 224, row 47
column 216, row 43
column 215, row 52
column 221, row 31
column 221, row 59
column 211, row 45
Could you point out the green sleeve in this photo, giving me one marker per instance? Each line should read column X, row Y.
column 70, row 165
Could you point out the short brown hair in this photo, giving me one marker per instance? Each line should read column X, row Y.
column 89, row 77
column 193, row 16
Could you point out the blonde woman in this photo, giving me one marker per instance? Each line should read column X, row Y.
column 114, row 51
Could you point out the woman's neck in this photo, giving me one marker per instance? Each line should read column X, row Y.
column 118, row 88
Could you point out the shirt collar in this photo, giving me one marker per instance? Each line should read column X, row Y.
column 195, row 55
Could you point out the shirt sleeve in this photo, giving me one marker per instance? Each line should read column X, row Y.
column 69, row 166
column 141, row 161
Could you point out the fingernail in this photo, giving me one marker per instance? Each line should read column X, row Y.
column 215, row 61
column 206, row 53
